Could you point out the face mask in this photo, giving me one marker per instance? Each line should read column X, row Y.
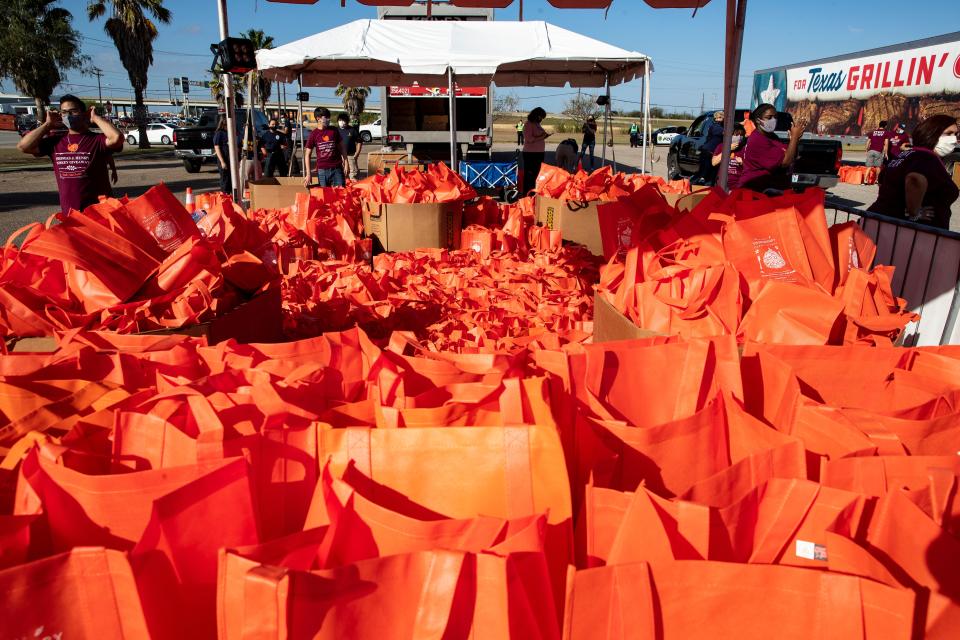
column 73, row 121
column 273, row 127
column 945, row 145
column 736, row 140
column 768, row 125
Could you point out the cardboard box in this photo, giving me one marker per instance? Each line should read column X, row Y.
column 610, row 325
column 689, row 201
column 405, row 227
column 577, row 221
column 956, row 173
column 258, row 320
column 377, row 161
column 275, row 193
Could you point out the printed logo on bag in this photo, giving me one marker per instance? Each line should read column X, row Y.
column 476, row 246
column 773, row 260
column 450, row 234
column 854, row 256
column 40, row 634
column 811, row 550
column 166, row 229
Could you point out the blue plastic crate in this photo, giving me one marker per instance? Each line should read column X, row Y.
column 489, row 175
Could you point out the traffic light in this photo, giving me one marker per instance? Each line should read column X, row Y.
column 236, row 55
column 185, row 84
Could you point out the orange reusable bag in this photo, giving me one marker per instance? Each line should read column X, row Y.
column 786, row 313
column 175, row 561
column 699, row 599
column 161, row 215
column 768, row 248
column 116, row 262
column 83, row 593
column 96, row 510
column 514, row 471
column 852, row 249
column 428, row 594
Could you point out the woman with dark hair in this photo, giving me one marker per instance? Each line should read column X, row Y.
column 766, row 159
column 534, row 146
column 737, row 147
column 915, row 184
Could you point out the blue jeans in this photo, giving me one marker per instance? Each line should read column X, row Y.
column 583, row 151
column 332, row 177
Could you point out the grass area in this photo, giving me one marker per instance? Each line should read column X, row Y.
column 13, row 157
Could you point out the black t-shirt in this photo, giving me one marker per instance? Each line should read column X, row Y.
column 941, row 191
column 272, row 141
column 222, row 141
column 351, row 136
column 589, row 132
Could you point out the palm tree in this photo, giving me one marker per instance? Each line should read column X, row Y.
column 261, row 85
column 354, row 100
column 217, row 88
column 133, row 34
column 37, row 45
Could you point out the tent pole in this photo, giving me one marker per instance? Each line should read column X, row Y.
column 606, row 122
column 303, row 168
column 227, row 81
column 646, row 114
column 736, row 16
column 452, row 94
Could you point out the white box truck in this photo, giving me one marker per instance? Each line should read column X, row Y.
column 848, row 96
column 417, row 118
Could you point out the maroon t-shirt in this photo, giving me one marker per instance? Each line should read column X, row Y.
column 941, row 191
column 80, row 164
column 326, row 144
column 897, row 140
column 762, row 157
column 735, row 166
column 877, row 138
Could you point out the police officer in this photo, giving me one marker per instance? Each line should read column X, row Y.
column 520, row 133
column 273, row 145
column 634, row 134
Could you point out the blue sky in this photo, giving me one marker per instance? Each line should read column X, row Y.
column 687, row 51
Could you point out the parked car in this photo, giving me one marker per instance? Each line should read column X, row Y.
column 369, row 132
column 194, row 145
column 664, row 136
column 157, row 133
column 816, row 165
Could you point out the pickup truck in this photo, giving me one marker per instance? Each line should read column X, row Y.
column 816, row 164
column 194, row 145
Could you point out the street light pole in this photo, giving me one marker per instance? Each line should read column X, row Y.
column 97, row 72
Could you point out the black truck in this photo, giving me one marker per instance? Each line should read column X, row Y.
column 194, row 145
column 816, row 165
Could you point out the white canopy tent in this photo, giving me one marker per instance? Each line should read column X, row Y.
column 510, row 54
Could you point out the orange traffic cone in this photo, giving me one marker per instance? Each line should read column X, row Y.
column 191, row 207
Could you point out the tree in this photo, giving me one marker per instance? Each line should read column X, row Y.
column 133, row 33
column 354, row 100
column 506, row 103
column 217, row 88
column 261, row 86
column 580, row 108
column 37, row 45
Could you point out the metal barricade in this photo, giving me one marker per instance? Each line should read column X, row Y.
column 927, row 275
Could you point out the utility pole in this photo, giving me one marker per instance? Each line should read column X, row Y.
column 702, row 96
column 97, row 72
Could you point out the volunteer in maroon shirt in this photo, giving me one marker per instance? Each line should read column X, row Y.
column 898, row 142
column 878, row 141
column 331, row 149
column 766, row 159
column 735, row 165
column 80, row 157
column 916, row 185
